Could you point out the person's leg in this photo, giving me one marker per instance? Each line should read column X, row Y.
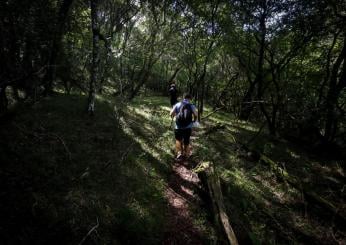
column 178, row 147
column 186, row 137
column 173, row 101
column 187, row 151
column 178, row 142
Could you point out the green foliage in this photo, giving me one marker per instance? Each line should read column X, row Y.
column 280, row 64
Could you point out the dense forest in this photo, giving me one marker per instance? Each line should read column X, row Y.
column 86, row 139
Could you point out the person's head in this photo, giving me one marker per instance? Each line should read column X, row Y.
column 187, row 96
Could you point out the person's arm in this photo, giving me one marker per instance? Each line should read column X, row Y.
column 195, row 115
column 172, row 113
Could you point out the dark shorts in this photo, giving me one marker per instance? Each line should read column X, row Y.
column 183, row 134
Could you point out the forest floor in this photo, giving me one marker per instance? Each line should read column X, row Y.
column 67, row 178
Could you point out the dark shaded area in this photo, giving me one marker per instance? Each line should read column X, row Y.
column 55, row 186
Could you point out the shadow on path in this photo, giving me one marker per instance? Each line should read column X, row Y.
column 182, row 197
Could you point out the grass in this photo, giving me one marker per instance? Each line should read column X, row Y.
column 272, row 211
column 54, row 174
column 63, row 172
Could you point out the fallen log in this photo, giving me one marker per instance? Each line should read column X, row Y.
column 207, row 174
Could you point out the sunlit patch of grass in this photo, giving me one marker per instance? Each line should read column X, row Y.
column 248, row 127
column 165, row 108
column 109, row 90
column 233, row 129
column 239, row 178
column 143, row 142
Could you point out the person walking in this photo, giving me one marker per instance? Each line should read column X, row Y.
column 173, row 94
column 185, row 115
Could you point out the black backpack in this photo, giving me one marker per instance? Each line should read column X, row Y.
column 184, row 116
column 172, row 91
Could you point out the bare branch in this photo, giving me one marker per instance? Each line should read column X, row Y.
column 90, row 231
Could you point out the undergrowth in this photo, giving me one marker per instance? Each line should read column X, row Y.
column 64, row 174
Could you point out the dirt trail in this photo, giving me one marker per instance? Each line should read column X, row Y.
column 182, row 196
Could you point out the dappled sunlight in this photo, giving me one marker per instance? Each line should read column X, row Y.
column 108, row 89
column 238, row 178
column 136, row 144
column 244, row 126
column 255, row 153
column 181, row 196
column 145, row 146
column 165, row 108
column 233, row 129
column 154, row 133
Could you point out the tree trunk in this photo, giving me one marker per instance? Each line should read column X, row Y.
column 333, row 94
column 174, row 75
column 95, row 56
column 56, row 44
column 247, row 106
column 259, row 76
column 327, row 75
column 3, row 100
column 137, row 88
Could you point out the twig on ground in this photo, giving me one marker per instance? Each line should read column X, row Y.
column 90, row 231
column 65, row 146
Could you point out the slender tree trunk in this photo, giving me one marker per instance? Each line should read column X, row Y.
column 327, row 76
column 333, row 94
column 247, row 106
column 174, row 75
column 95, row 56
column 56, row 44
column 259, row 76
column 3, row 100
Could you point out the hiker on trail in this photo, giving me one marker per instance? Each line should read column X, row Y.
column 185, row 115
column 173, row 94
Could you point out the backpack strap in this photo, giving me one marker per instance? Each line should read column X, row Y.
column 182, row 106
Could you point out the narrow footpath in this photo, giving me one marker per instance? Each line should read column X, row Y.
column 182, row 196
